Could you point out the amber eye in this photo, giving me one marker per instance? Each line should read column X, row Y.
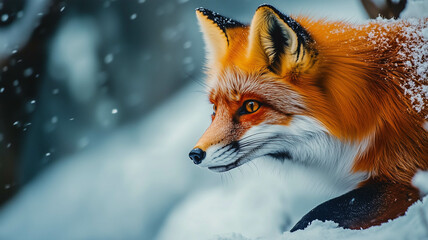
column 251, row 106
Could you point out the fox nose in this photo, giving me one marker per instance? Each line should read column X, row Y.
column 197, row 155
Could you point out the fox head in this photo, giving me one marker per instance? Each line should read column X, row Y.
column 260, row 78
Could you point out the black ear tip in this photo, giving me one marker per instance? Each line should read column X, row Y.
column 221, row 21
column 268, row 6
column 203, row 10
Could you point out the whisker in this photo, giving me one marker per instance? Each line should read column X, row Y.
column 229, row 146
column 231, row 176
column 251, row 144
column 255, row 165
column 200, row 82
column 222, row 179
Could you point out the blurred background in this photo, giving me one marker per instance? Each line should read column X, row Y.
column 100, row 102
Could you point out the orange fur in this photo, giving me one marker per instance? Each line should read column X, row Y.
column 363, row 96
column 353, row 87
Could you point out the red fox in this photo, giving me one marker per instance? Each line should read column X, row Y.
column 348, row 100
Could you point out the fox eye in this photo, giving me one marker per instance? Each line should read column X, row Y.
column 214, row 110
column 250, row 106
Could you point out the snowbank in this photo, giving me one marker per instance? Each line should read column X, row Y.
column 262, row 199
column 413, row 225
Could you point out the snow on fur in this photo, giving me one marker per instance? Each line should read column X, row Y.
column 418, row 9
column 416, row 46
column 413, row 53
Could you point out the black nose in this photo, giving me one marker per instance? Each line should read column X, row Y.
column 197, row 155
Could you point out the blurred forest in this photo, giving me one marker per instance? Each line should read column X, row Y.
column 73, row 71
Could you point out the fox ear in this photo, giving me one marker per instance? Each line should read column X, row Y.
column 214, row 28
column 279, row 41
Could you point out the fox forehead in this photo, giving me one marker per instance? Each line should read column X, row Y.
column 235, row 85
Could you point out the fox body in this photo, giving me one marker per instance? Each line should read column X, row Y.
column 349, row 100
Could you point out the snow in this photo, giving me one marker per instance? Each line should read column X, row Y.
column 54, row 119
column 108, row 58
column 139, row 184
column 221, row 21
column 260, row 199
column 262, row 205
column 410, row 226
column 413, row 225
column 417, row 48
column 120, row 188
column 187, row 44
column 28, row 72
column 413, row 53
column 420, row 181
column 133, row 16
column 4, row 17
column 76, row 62
column 419, row 53
column 18, row 33
column 415, row 9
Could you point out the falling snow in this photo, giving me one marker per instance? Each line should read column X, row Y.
column 187, row 44
column 136, row 175
column 54, row 119
column 108, row 58
column 4, row 17
column 28, row 72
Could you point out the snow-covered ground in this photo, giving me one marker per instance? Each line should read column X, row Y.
column 121, row 189
column 139, row 184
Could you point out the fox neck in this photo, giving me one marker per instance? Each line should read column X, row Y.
column 321, row 151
